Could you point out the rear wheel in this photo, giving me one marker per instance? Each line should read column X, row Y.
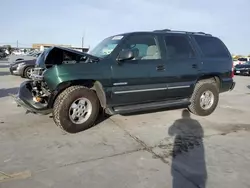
column 76, row 109
column 28, row 72
column 205, row 98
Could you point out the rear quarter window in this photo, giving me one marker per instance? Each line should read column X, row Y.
column 212, row 47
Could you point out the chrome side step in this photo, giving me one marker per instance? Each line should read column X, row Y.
column 151, row 106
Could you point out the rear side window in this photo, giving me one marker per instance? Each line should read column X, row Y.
column 212, row 47
column 178, row 47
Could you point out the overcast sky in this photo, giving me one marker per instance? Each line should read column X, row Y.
column 65, row 21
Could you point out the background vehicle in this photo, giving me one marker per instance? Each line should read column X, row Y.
column 23, row 68
column 19, row 52
column 2, row 54
column 242, row 69
column 241, row 60
column 128, row 73
column 13, row 58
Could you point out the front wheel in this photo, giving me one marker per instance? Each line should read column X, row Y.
column 76, row 109
column 205, row 98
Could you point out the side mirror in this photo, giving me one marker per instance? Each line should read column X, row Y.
column 125, row 55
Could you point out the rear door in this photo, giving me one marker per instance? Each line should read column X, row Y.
column 216, row 58
column 182, row 65
column 131, row 79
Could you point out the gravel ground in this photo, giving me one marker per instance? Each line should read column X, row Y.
column 164, row 149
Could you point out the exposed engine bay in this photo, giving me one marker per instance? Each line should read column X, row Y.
column 39, row 89
column 49, row 58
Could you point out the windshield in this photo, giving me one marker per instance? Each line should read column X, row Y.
column 105, row 47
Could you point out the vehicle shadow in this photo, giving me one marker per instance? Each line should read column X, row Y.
column 102, row 116
column 188, row 154
column 6, row 92
column 4, row 73
column 154, row 111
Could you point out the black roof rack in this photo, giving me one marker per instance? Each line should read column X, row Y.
column 186, row 32
column 163, row 30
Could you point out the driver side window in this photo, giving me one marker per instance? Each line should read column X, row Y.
column 143, row 47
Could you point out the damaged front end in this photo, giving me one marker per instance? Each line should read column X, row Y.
column 28, row 98
column 34, row 95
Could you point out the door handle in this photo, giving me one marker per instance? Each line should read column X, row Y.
column 194, row 66
column 160, row 68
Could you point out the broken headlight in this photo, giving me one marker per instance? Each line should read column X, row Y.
column 37, row 74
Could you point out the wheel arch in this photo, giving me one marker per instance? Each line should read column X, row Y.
column 91, row 84
column 216, row 78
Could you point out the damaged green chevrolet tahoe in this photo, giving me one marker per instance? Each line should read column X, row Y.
column 128, row 73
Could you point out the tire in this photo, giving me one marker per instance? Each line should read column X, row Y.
column 209, row 86
column 62, row 106
column 26, row 72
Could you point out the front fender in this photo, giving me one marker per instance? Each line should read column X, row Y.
column 60, row 77
column 59, row 74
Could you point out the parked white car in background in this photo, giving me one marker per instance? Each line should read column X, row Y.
column 18, row 52
column 241, row 60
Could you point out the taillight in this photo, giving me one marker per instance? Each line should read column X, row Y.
column 232, row 73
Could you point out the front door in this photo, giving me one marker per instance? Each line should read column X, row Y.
column 131, row 79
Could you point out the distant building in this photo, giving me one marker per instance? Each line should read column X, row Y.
column 38, row 46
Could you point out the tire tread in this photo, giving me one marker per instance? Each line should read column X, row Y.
column 58, row 104
column 192, row 107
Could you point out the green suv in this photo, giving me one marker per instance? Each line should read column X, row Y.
column 128, row 73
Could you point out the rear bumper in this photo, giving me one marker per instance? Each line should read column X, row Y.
column 227, row 85
column 16, row 70
column 232, row 86
column 24, row 98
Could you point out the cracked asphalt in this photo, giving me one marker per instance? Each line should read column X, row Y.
column 165, row 149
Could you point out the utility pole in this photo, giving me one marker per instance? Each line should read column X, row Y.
column 83, row 39
column 17, row 43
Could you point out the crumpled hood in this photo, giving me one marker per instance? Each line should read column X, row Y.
column 56, row 55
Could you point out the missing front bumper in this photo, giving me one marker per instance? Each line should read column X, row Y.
column 24, row 98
